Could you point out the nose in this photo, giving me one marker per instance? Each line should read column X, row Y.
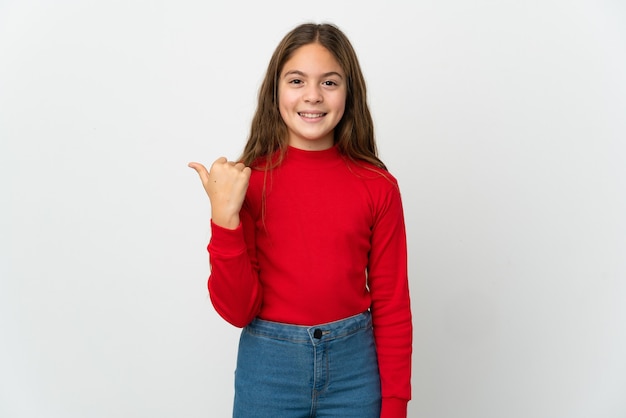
column 313, row 94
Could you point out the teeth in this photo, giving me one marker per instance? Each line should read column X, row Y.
column 312, row 115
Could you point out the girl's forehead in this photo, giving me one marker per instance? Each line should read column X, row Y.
column 312, row 58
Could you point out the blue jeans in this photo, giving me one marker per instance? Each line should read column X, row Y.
column 289, row 371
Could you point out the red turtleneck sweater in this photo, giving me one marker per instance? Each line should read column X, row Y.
column 330, row 244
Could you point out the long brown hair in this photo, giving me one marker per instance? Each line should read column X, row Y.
column 354, row 134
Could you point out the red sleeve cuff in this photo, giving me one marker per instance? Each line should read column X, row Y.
column 393, row 408
column 226, row 242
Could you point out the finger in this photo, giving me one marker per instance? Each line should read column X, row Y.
column 201, row 170
column 222, row 161
column 196, row 166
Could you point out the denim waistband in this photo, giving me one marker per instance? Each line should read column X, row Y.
column 310, row 334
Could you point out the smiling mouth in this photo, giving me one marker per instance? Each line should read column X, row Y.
column 311, row 115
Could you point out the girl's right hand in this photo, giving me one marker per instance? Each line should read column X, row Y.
column 225, row 184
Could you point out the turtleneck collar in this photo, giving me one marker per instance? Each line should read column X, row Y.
column 322, row 158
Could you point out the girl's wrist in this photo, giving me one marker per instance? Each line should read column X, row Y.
column 225, row 221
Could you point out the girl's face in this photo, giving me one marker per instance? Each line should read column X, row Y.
column 312, row 97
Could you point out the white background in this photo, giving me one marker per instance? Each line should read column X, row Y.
column 504, row 122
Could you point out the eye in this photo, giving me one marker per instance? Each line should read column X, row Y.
column 329, row 83
column 295, row 81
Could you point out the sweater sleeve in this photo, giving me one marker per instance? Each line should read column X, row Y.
column 234, row 286
column 391, row 308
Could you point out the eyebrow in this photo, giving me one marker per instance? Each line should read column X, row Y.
column 300, row 73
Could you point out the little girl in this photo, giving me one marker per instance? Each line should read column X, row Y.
column 308, row 246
